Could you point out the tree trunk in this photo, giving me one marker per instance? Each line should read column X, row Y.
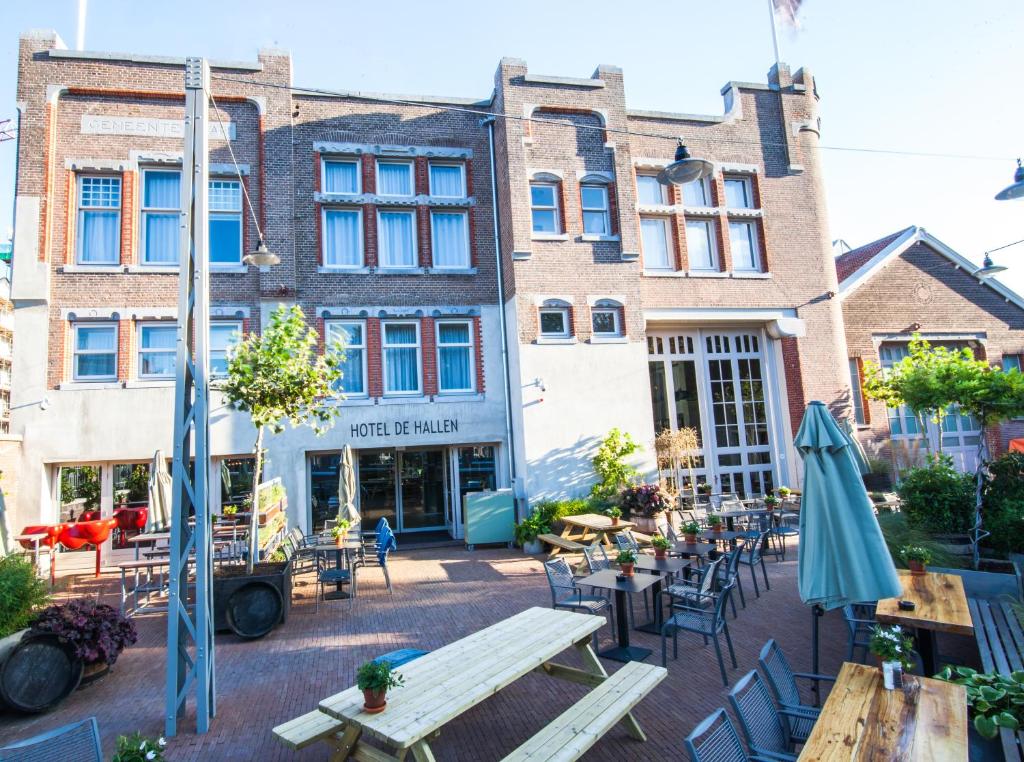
column 977, row 533
column 254, row 514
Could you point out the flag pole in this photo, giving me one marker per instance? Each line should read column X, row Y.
column 775, row 31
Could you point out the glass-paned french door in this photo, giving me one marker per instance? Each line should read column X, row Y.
column 714, row 382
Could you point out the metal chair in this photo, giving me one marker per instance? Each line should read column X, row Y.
column 565, row 594
column 706, row 622
column 79, row 741
column 860, row 619
column 755, row 557
column 782, row 681
column 730, row 571
column 698, row 593
column 715, row 740
column 330, row 575
column 625, row 540
column 765, row 732
column 385, row 544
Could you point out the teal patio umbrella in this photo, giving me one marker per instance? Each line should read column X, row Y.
column 843, row 556
column 856, row 448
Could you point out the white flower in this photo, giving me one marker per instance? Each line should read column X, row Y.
column 142, row 746
column 162, row 742
column 150, row 755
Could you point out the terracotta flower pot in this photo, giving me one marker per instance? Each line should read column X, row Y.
column 660, row 553
column 615, row 521
column 374, row 701
column 627, row 570
column 340, row 540
column 916, row 567
column 717, row 528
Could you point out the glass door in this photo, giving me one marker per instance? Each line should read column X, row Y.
column 378, row 495
column 422, row 475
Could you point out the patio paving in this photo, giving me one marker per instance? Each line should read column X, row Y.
column 441, row 594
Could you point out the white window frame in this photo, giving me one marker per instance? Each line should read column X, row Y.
column 662, row 189
column 748, row 190
column 412, row 177
column 465, row 229
column 384, row 346
column 705, row 184
column 857, row 394
column 616, row 320
column 716, row 263
column 75, row 351
column 145, row 211
column 556, row 208
column 81, row 210
column 602, row 210
column 324, row 209
column 415, row 239
column 430, row 177
column 237, row 325
column 329, row 326
column 233, row 214
column 670, row 244
column 566, row 328
column 324, row 161
column 469, row 345
column 755, row 247
column 140, row 351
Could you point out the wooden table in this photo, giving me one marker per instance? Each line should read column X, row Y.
column 608, row 579
column 863, row 721
column 940, row 606
column 445, row 683
column 592, row 528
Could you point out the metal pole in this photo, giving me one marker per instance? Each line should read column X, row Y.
column 189, row 627
column 775, row 31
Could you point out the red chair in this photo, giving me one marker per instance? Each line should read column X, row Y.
column 84, row 533
column 52, row 532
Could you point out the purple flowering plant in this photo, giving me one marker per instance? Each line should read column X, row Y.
column 98, row 632
column 645, row 500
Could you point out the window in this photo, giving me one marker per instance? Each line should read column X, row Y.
column 657, row 250
column 448, row 180
column 650, row 191
column 396, row 235
column 697, row 193
column 394, row 178
column 224, row 334
column 554, row 322
column 401, row 344
column 700, row 245
column 1012, row 362
column 449, row 235
column 352, row 336
column 95, row 356
column 594, row 202
column 99, row 220
column 157, row 350
column 743, row 244
column 605, row 320
column 341, row 177
column 455, row 356
column 858, row 395
column 343, row 237
column 161, row 201
column 225, row 222
column 738, row 193
column 544, row 207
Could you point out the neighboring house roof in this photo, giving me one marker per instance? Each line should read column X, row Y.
column 856, row 267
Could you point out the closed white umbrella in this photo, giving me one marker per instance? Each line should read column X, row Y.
column 158, row 518
column 347, row 489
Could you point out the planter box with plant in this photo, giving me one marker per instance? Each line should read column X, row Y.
column 995, row 701
column 645, row 503
column 98, row 633
column 374, row 678
column 614, row 514
column 690, row 530
column 895, row 650
column 626, row 559
column 528, row 530
column 661, row 546
column 916, row 557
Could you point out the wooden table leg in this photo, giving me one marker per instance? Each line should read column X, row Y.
column 593, row 665
column 343, row 743
column 421, row 752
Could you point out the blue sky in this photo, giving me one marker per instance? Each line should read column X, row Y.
column 937, row 76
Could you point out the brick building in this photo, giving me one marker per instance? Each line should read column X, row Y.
column 488, row 345
column 910, row 282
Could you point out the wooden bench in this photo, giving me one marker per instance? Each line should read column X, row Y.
column 578, row 728
column 1001, row 645
column 559, row 544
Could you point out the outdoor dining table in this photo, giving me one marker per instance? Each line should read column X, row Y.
column 861, row 720
column 443, row 684
column 723, row 535
column 668, row 567
column 694, row 549
column 940, row 605
column 608, row 579
column 592, row 527
column 351, row 543
column 732, row 514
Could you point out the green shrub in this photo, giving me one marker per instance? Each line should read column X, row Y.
column 1003, row 512
column 898, row 534
column 938, row 497
column 528, row 529
column 551, row 511
column 613, row 473
column 21, row 593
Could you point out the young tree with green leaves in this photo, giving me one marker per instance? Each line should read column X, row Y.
column 277, row 376
column 613, row 472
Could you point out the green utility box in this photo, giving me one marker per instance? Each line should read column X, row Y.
column 490, row 517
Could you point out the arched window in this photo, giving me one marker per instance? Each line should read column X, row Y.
column 606, row 318
column 555, row 319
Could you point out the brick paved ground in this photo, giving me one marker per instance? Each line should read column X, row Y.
column 441, row 594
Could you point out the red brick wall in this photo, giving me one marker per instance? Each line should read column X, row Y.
column 374, row 368
column 478, row 356
column 428, row 341
column 794, row 381
column 125, row 343
column 128, row 207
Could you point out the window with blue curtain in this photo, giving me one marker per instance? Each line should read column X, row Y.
column 454, row 357
column 161, row 201
column 450, row 239
column 352, row 338
column 95, row 352
column 224, row 334
column 401, row 358
column 99, row 220
column 341, row 177
column 343, row 238
column 394, row 178
column 225, row 222
column 396, row 237
column 157, row 350
column 447, row 180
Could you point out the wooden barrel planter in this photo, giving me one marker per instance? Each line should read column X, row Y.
column 37, row 671
column 252, row 605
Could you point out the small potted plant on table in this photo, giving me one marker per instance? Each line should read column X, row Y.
column 771, row 502
column 340, row 531
column 704, row 488
column 690, row 530
column 374, row 678
column 784, row 492
column 626, row 559
column 895, row 650
column 614, row 513
column 917, row 558
column 661, row 546
column 715, row 522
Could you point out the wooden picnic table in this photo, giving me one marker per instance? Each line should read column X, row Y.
column 861, row 720
column 940, row 605
column 591, row 528
column 443, row 684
